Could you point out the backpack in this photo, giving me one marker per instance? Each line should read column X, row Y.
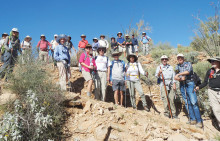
column 123, row 63
column 136, row 63
column 196, row 79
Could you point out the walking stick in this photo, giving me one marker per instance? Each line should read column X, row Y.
column 166, row 94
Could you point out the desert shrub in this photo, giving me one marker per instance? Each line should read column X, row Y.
column 201, row 68
column 150, row 80
column 191, row 57
column 38, row 113
column 182, row 49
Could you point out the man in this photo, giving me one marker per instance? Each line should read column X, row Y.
column 4, row 35
column 121, row 43
column 102, row 63
column 116, row 76
column 184, row 74
column 95, row 46
column 10, row 50
column 43, row 51
column 54, row 45
column 69, row 44
column 167, row 71
column 128, row 43
column 103, row 42
column 145, row 40
column 212, row 79
column 81, row 46
column 135, row 45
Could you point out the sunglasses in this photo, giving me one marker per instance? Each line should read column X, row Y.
column 164, row 59
column 212, row 61
column 101, row 50
column 88, row 48
column 115, row 55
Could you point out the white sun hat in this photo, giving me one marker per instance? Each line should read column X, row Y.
column 163, row 57
column 14, row 30
column 180, row 55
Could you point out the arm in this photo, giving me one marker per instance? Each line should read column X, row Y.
column 141, row 69
column 56, row 54
column 108, row 78
column 205, row 82
column 158, row 72
column 6, row 43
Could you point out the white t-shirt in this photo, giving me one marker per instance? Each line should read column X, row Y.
column 1, row 42
column 133, row 70
column 54, row 44
column 26, row 44
column 102, row 63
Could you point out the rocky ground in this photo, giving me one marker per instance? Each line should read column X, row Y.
column 89, row 119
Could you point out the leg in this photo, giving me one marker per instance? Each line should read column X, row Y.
column 144, row 49
column 147, row 49
column 103, row 85
column 6, row 60
column 171, row 99
column 164, row 99
column 89, row 88
column 97, row 87
column 132, row 95
column 62, row 75
column 214, row 98
column 121, row 100
column 193, row 101
column 138, row 87
column 116, row 96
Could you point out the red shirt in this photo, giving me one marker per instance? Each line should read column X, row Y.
column 82, row 43
column 43, row 45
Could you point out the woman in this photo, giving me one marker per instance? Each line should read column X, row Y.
column 26, row 47
column 88, row 67
column 133, row 70
column 114, row 44
column 62, row 56
column 212, row 78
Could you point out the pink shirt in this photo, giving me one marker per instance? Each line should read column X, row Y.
column 43, row 45
column 87, row 61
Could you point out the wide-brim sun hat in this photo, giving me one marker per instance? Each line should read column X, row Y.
column 104, row 48
column 127, row 36
column 180, row 55
column 116, row 53
column 55, row 35
column 95, row 39
column 61, row 36
column 164, row 57
column 102, row 36
column 5, row 34
column 42, row 35
column 132, row 55
column 28, row 37
column 119, row 33
column 143, row 33
column 213, row 59
column 83, row 35
column 88, row 46
column 112, row 37
column 15, row 30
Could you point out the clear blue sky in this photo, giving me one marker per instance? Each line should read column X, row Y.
column 171, row 20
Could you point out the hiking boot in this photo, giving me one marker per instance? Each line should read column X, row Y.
column 193, row 122
column 167, row 115
column 175, row 117
column 199, row 125
column 146, row 109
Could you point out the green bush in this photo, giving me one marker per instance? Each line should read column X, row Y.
column 182, row 49
column 191, row 57
column 201, row 68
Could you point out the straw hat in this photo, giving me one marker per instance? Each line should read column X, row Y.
column 132, row 55
column 83, row 35
column 180, row 55
column 28, row 37
column 116, row 53
column 101, row 48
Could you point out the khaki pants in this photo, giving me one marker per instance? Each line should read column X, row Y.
column 43, row 56
column 171, row 95
column 129, row 49
column 121, row 48
column 101, row 84
column 136, row 85
column 145, row 49
column 214, row 98
column 95, row 53
column 63, row 75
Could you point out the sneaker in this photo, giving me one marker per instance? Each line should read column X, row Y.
column 199, row 125
column 192, row 122
column 146, row 109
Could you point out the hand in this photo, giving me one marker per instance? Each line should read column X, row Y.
column 160, row 71
column 111, row 82
column 91, row 67
column 108, row 78
column 146, row 74
column 196, row 89
column 177, row 77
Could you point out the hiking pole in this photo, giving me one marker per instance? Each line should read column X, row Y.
column 166, row 94
column 186, row 100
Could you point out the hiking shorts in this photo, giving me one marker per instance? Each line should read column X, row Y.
column 135, row 48
column 87, row 75
column 121, row 48
column 118, row 85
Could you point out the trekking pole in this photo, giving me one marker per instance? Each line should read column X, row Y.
column 166, row 94
column 186, row 100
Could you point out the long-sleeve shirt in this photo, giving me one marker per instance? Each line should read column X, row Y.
column 134, row 41
column 212, row 79
column 95, row 46
column 103, row 43
column 133, row 70
column 61, row 53
column 15, row 44
column 82, row 43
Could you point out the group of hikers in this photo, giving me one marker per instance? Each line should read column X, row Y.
column 98, row 69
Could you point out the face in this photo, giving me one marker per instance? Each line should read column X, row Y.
column 127, row 37
column 28, row 39
column 116, row 57
column 14, row 33
column 101, row 52
column 164, row 61
column 4, row 36
column 132, row 36
column 180, row 60
column 55, row 37
column 102, row 37
column 43, row 38
column 119, row 35
column 88, row 49
column 95, row 41
column 113, row 39
column 83, row 37
column 143, row 35
column 215, row 64
column 69, row 38
column 131, row 59
column 62, row 41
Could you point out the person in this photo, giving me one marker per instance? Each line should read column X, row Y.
column 102, row 63
column 54, row 44
column 184, row 74
column 26, row 47
column 135, row 45
column 62, row 56
column 128, row 43
column 88, row 67
column 212, row 79
column 121, row 43
column 145, row 40
column 81, row 46
column 168, row 73
column 103, row 42
column 114, row 44
column 133, row 71
column 69, row 44
column 95, row 46
column 116, row 76
column 2, row 40
column 10, row 50
column 43, row 45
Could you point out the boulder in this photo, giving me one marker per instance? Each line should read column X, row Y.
column 102, row 132
column 87, row 107
column 6, row 98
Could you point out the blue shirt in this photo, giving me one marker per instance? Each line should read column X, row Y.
column 61, row 53
column 145, row 39
column 186, row 66
column 134, row 41
column 120, row 40
column 95, row 46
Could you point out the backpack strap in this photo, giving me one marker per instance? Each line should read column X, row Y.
column 85, row 55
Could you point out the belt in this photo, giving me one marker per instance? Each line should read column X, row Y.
column 215, row 89
column 101, row 71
